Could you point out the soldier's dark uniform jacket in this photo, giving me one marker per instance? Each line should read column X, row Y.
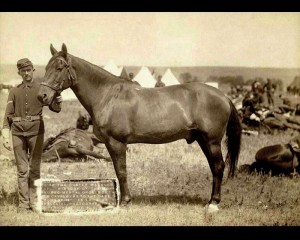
column 23, row 103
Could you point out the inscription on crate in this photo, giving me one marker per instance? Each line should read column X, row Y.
column 78, row 195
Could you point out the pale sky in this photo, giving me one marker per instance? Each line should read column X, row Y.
column 155, row 39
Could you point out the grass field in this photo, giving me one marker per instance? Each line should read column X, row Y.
column 170, row 185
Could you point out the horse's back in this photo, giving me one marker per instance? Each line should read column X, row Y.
column 189, row 95
column 169, row 112
column 191, row 87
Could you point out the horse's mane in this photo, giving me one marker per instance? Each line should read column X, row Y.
column 107, row 74
column 95, row 68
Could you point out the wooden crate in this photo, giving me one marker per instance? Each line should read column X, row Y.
column 84, row 195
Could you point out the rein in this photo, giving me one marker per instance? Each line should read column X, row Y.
column 59, row 159
column 71, row 78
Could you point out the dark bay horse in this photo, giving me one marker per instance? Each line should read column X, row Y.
column 124, row 113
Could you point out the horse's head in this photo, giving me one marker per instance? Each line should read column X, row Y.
column 59, row 75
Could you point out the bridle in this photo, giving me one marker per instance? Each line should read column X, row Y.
column 71, row 77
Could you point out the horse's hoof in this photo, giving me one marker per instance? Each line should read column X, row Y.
column 212, row 208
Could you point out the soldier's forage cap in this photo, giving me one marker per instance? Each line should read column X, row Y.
column 24, row 62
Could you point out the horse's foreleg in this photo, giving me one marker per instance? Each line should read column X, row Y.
column 117, row 151
column 214, row 156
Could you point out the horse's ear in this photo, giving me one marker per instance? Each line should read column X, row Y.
column 52, row 49
column 64, row 50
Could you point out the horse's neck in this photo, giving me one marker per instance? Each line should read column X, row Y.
column 92, row 83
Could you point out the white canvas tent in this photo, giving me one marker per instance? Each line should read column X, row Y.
column 112, row 68
column 145, row 78
column 295, row 84
column 10, row 83
column 123, row 73
column 6, row 91
column 169, row 78
column 67, row 94
column 13, row 82
column 115, row 70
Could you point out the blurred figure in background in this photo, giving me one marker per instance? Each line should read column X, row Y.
column 159, row 82
column 131, row 76
column 268, row 88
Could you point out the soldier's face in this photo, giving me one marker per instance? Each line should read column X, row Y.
column 26, row 73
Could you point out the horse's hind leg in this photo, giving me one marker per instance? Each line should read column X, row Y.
column 117, row 151
column 213, row 153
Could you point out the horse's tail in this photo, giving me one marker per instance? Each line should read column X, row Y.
column 234, row 134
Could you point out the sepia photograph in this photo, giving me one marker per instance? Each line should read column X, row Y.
column 149, row 118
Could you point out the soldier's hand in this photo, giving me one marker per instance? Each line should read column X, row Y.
column 6, row 144
column 6, row 138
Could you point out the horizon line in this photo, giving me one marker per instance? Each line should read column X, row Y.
column 186, row 66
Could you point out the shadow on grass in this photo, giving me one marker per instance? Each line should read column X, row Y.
column 257, row 168
column 11, row 198
column 162, row 199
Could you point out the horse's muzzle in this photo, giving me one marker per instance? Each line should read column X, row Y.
column 42, row 97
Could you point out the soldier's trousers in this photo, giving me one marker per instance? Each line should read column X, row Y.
column 28, row 152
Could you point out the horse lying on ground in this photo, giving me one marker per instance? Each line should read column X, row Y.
column 124, row 113
column 277, row 159
column 71, row 142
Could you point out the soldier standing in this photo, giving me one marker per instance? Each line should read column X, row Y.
column 23, row 117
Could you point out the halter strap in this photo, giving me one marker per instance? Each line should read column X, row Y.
column 70, row 76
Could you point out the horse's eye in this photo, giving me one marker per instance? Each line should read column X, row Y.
column 58, row 69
